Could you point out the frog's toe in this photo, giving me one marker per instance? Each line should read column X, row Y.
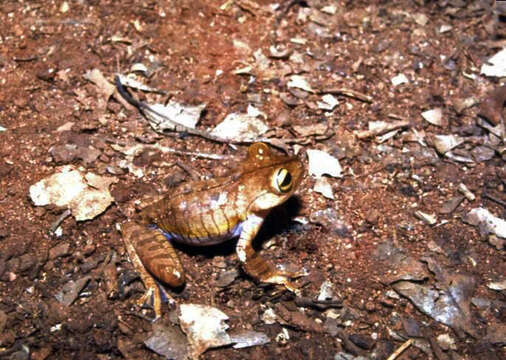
column 293, row 288
column 152, row 297
column 285, row 281
column 294, row 274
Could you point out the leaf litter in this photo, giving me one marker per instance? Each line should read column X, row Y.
column 205, row 327
column 85, row 194
column 448, row 301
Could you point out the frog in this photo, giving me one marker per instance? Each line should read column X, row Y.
column 208, row 212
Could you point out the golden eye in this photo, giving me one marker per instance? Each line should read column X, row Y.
column 283, row 180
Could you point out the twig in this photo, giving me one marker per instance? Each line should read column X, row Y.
column 348, row 92
column 148, row 111
column 303, row 301
column 395, row 116
column 31, row 58
column 382, row 130
column 348, row 345
column 493, row 198
column 58, row 221
column 193, row 174
column 134, row 150
column 399, row 351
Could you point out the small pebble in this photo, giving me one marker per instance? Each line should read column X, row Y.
column 59, row 251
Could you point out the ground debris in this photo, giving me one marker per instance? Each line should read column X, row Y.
column 462, row 104
column 399, row 80
column 269, row 317
column 451, row 204
column 330, row 219
column 325, row 291
column 445, row 143
column 69, row 152
column 162, row 117
column 495, row 65
column 247, row 338
column 491, row 108
column 346, row 356
column 204, row 327
column 225, row 278
column 486, row 222
column 466, row 192
column 174, row 113
column 105, row 87
column 381, row 127
column 309, row 130
column 300, row 82
column 322, row 163
column 168, row 341
column 448, row 302
column 297, row 319
column 497, row 285
column 322, row 186
column 321, row 305
column 135, row 84
column 433, row 116
column 329, row 102
column 405, row 268
column 71, row 290
column 86, row 195
column 240, row 127
column 446, row 342
column 430, row 219
column 496, row 333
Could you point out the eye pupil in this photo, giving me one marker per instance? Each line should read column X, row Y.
column 284, row 180
column 287, row 180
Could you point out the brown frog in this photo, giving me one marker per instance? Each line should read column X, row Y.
column 210, row 212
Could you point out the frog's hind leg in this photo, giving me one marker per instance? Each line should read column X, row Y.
column 152, row 255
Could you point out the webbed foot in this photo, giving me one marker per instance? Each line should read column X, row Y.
column 283, row 278
column 155, row 296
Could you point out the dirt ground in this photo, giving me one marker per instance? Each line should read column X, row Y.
column 394, row 245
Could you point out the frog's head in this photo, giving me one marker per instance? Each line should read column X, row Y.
column 269, row 178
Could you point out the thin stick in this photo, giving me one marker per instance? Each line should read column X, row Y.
column 349, row 93
column 58, row 221
column 136, row 149
column 399, row 351
column 382, row 130
column 495, row 199
column 147, row 110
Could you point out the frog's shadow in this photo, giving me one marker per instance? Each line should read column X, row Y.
column 278, row 221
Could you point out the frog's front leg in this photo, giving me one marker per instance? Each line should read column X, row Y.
column 254, row 264
column 152, row 255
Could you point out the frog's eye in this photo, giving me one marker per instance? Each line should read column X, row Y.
column 283, row 180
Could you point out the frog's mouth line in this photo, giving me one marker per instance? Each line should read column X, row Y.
column 255, row 199
column 267, row 209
